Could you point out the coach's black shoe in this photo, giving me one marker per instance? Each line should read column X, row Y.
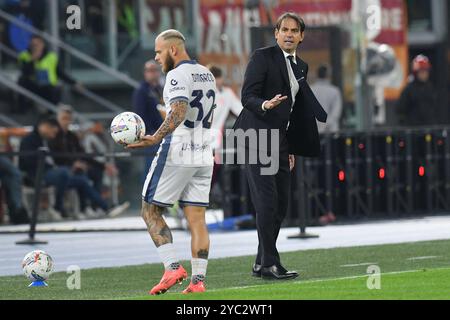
column 256, row 270
column 277, row 273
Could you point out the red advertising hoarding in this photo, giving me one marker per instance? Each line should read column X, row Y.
column 224, row 28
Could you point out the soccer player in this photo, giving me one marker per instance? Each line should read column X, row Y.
column 183, row 167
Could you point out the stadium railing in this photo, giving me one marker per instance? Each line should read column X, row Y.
column 385, row 173
column 41, row 154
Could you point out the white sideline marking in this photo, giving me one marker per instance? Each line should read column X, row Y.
column 306, row 281
column 358, row 264
column 423, row 258
column 332, row 279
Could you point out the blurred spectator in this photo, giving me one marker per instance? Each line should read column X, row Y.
column 330, row 98
column 94, row 141
column 418, row 101
column 61, row 177
column 10, row 5
column 20, row 38
column 33, row 9
column 226, row 102
column 45, row 130
column 95, row 17
column 126, row 18
column 67, row 141
column 37, row 12
column 11, row 179
column 95, row 23
column 40, row 73
column 31, row 13
column 146, row 103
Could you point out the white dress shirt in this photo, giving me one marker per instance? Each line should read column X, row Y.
column 330, row 98
column 226, row 102
column 292, row 80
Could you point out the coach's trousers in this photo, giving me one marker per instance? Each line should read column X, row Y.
column 270, row 196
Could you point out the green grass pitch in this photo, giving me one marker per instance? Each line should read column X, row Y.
column 418, row 270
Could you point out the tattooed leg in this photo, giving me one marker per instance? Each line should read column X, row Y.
column 199, row 232
column 203, row 254
column 156, row 225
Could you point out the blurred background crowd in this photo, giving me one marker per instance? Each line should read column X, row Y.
column 60, row 88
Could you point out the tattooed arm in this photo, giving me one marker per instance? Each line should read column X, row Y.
column 172, row 121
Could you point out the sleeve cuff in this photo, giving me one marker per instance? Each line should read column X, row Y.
column 180, row 98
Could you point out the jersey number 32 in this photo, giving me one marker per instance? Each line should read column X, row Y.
column 196, row 103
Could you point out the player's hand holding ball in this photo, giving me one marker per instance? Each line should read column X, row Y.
column 146, row 141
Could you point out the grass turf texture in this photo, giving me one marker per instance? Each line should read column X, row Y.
column 322, row 276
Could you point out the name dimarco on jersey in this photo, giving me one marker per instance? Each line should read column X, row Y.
column 196, row 77
column 202, row 77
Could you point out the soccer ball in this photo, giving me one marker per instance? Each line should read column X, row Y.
column 127, row 127
column 37, row 265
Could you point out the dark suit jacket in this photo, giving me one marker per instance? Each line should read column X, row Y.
column 265, row 77
column 145, row 104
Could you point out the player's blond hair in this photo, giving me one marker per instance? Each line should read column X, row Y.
column 172, row 34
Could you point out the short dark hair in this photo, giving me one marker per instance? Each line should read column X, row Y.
column 47, row 119
column 291, row 15
column 36, row 36
column 322, row 72
column 64, row 108
column 215, row 70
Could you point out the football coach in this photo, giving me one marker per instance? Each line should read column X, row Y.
column 277, row 99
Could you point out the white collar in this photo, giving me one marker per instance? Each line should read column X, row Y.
column 286, row 55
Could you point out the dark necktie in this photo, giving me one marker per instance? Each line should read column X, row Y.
column 297, row 73
column 310, row 98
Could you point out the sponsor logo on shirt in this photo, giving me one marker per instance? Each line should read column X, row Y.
column 177, row 89
column 196, row 147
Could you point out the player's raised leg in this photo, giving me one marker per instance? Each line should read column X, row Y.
column 162, row 237
column 199, row 247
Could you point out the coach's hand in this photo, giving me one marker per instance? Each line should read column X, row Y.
column 291, row 162
column 275, row 102
column 146, row 141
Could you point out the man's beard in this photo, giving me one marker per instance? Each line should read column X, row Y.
column 170, row 64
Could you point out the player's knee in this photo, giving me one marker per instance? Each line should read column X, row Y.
column 197, row 219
